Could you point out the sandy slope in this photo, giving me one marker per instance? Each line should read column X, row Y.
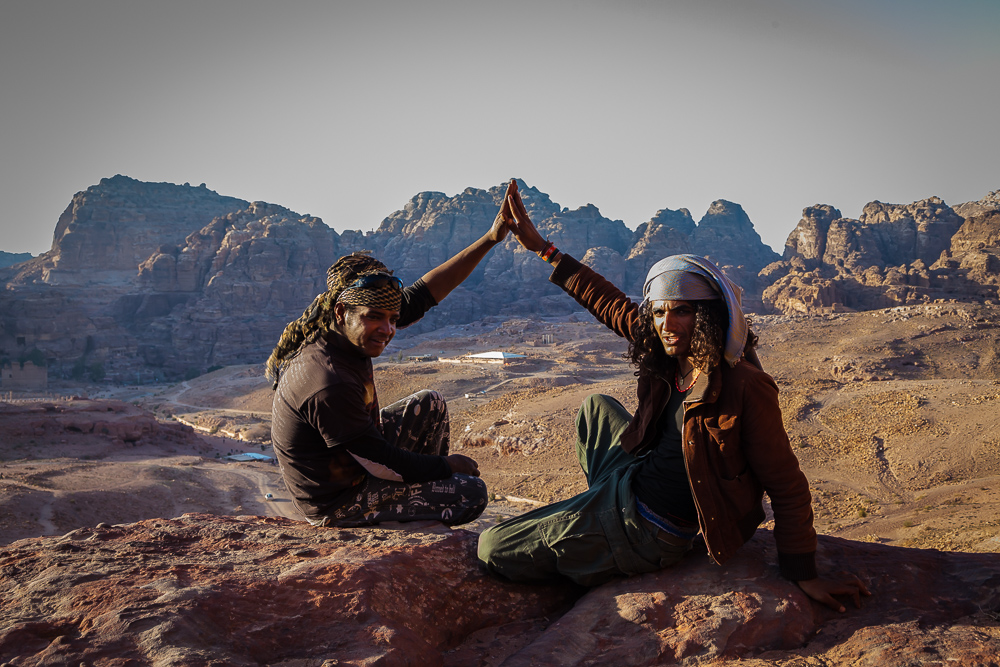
column 893, row 414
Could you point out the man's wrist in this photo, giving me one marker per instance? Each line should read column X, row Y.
column 549, row 252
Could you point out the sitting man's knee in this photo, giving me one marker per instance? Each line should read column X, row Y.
column 593, row 406
column 477, row 488
column 425, row 394
column 489, row 541
column 599, row 402
column 471, row 502
column 429, row 399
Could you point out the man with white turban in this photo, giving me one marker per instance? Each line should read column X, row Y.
column 704, row 445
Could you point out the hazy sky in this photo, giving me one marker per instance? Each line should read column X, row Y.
column 345, row 110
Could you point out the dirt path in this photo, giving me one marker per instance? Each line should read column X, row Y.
column 173, row 399
column 45, row 517
column 279, row 505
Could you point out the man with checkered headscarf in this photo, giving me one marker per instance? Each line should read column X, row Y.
column 346, row 460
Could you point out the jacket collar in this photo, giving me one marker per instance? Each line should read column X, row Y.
column 707, row 388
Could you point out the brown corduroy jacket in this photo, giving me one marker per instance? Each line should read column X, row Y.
column 735, row 445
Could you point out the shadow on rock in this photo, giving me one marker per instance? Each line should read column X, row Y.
column 210, row 590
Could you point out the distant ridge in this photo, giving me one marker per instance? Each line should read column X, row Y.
column 156, row 280
column 893, row 255
column 12, row 258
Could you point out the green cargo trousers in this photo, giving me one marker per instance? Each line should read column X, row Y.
column 591, row 537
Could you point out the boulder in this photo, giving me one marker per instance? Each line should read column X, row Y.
column 211, row 590
column 935, row 607
column 203, row 589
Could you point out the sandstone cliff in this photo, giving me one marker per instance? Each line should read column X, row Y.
column 153, row 280
column 225, row 294
column 893, row 255
column 512, row 281
column 210, row 590
column 110, row 228
column 975, row 249
column 724, row 234
column 667, row 233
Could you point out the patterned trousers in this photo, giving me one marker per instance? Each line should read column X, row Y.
column 418, row 423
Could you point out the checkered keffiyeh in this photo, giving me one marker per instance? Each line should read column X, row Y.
column 694, row 278
column 386, row 297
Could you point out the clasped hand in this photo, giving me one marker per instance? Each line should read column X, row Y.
column 513, row 217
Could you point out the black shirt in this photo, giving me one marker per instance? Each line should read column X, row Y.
column 325, row 420
column 662, row 480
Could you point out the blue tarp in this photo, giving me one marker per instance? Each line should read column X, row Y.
column 248, row 456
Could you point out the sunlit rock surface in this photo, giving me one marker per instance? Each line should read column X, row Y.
column 211, row 590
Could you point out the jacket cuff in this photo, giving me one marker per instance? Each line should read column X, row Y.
column 797, row 567
column 568, row 267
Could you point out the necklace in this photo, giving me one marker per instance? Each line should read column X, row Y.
column 677, row 383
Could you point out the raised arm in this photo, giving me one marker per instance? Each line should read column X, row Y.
column 446, row 277
column 524, row 230
column 604, row 300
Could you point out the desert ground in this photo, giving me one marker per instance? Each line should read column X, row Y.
column 892, row 413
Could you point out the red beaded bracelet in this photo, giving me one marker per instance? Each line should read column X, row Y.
column 548, row 252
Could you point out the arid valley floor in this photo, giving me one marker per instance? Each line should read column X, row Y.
column 893, row 415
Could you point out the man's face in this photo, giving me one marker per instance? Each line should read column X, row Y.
column 368, row 329
column 674, row 322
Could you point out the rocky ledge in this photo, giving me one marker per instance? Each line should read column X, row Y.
column 116, row 423
column 210, row 590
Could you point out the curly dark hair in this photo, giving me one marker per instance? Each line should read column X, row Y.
column 318, row 317
column 708, row 341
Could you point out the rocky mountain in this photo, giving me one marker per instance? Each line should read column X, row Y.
column 216, row 590
column 150, row 280
column 12, row 258
column 154, row 280
column 893, row 255
column 109, row 228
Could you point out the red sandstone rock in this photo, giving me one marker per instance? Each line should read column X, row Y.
column 207, row 590
column 927, row 607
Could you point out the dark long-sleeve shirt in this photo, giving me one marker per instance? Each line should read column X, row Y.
column 325, row 422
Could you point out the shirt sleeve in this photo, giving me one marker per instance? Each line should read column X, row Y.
column 599, row 296
column 771, row 458
column 343, row 421
column 417, row 300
